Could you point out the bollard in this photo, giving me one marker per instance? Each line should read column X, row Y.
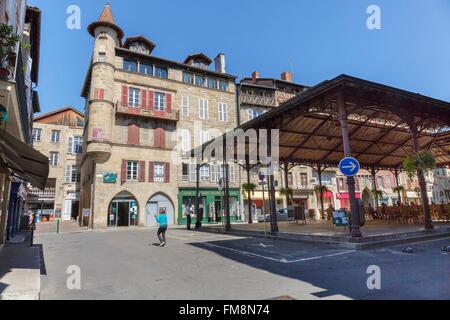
column 32, row 236
column 57, row 225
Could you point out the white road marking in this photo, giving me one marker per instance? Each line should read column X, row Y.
column 282, row 260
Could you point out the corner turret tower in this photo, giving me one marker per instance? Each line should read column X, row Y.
column 100, row 87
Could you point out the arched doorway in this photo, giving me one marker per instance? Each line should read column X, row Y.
column 123, row 211
column 157, row 202
column 367, row 198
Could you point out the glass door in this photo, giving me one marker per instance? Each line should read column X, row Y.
column 112, row 216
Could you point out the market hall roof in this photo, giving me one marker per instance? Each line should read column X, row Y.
column 379, row 119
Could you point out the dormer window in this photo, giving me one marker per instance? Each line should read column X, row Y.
column 139, row 47
column 139, row 44
column 198, row 60
column 199, row 64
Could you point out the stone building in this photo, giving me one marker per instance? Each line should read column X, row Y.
column 19, row 73
column 59, row 135
column 142, row 112
column 258, row 95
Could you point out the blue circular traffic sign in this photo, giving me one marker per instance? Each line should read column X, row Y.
column 349, row 167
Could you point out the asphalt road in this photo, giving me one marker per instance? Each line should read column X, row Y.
column 125, row 264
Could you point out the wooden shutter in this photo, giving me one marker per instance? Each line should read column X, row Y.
column 134, row 134
column 124, row 171
column 162, row 138
column 144, row 99
column 151, row 100
column 169, row 103
column 141, row 171
column 156, row 137
column 151, row 171
column 96, row 93
column 167, row 173
column 125, row 96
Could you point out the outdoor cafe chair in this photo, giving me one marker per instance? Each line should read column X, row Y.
column 405, row 212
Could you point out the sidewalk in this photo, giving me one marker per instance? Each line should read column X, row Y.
column 20, row 270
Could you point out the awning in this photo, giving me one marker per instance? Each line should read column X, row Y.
column 345, row 196
column 24, row 161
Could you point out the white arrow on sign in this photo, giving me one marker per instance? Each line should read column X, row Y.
column 352, row 167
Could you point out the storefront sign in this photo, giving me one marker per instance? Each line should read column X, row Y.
column 110, row 178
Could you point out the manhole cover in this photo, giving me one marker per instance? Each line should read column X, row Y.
column 284, row 298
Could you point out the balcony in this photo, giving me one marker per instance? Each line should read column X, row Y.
column 39, row 195
column 173, row 116
column 258, row 100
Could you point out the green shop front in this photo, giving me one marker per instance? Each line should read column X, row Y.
column 212, row 202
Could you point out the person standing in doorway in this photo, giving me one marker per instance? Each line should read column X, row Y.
column 188, row 217
column 162, row 221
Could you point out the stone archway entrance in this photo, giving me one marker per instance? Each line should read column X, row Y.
column 157, row 202
column 123, row 211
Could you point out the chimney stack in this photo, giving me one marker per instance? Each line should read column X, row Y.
column 220, row 64
column 255, row 75
column 287, row 76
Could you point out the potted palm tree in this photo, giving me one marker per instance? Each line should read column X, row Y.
column 8, row 43
column 399, row 191
column 378, row 194
column 320, row 191
column 422, row 161
column 288, row 193
column 249, row 188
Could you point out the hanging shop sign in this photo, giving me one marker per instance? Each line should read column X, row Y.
column 3, row 114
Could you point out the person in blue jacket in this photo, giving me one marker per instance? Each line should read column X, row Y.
column 162, row 221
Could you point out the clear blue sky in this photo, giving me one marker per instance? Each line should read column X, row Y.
column 315, row 39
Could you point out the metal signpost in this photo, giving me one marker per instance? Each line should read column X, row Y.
column 349, row 167
column 262, row 179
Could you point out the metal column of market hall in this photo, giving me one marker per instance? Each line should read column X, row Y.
column 378, row 125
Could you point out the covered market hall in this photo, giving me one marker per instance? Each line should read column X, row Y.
column 376, row 124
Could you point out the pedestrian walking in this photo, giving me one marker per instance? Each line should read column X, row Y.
column 162, row 221
column 188, row 217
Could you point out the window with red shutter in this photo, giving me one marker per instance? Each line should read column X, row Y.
column 151, row 171
column 141, row 171
column 134, row 134
column 123, row 176
column 167, row 173
column 102, row 94
column 151, row 100
column 96, row 93
column 169, row 103
column 125, row 96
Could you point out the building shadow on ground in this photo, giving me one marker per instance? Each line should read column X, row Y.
column 20, row 256
column 331, row 273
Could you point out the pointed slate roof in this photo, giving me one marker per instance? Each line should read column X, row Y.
column 106, row 19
